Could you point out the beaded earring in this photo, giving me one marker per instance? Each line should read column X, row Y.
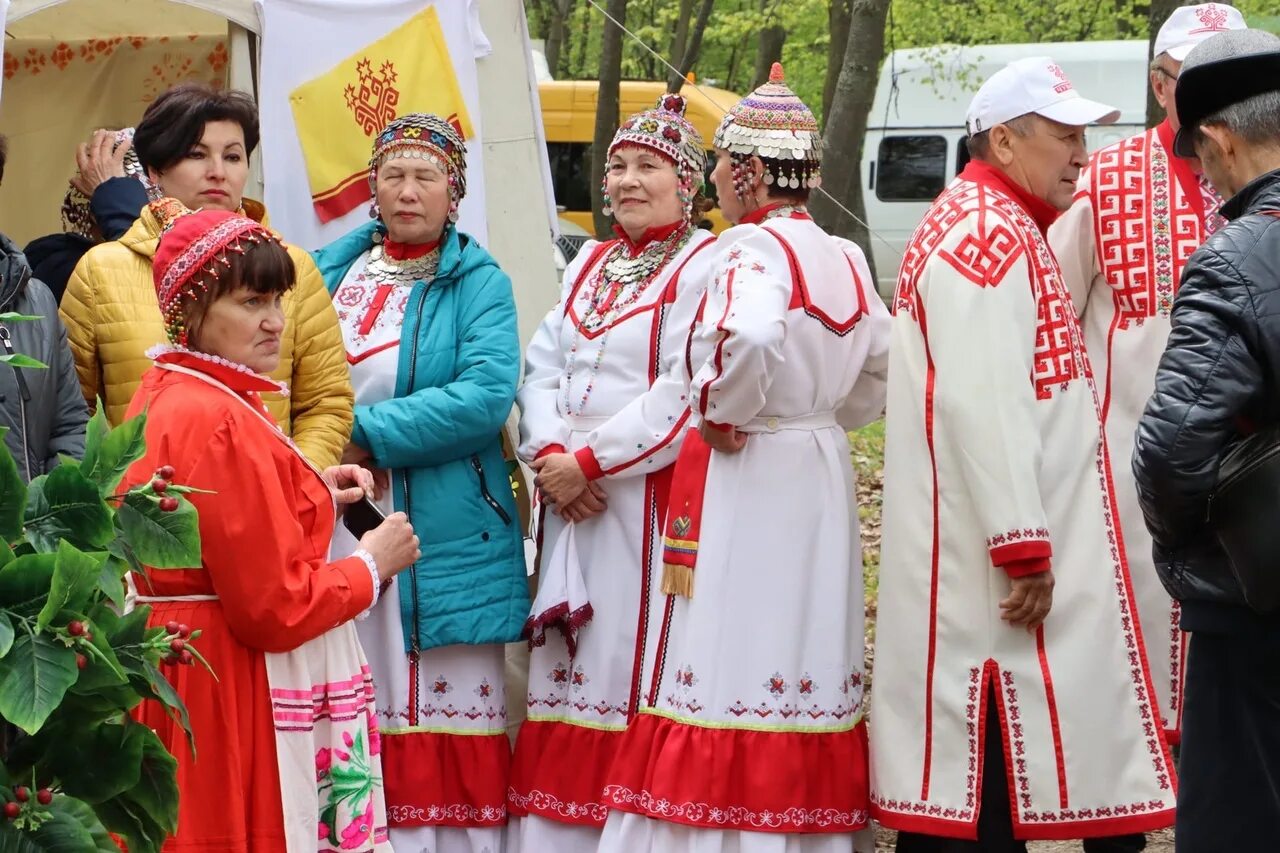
column 606, row 206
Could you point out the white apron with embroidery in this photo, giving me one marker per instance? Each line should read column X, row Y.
column 322, row 703
column 1122, row 247
column 459, row 688
column 995, row 448
column 749, row 738
column 607, row 381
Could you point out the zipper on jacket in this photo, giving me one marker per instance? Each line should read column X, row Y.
column 484, row 491
column 24, row 395
column 404, row 479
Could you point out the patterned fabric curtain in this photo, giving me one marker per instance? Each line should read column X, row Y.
column 56, row 93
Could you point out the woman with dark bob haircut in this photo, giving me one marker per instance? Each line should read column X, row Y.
column 195, row 143
column 291, row 708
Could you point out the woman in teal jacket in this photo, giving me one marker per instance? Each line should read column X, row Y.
column 429, row 323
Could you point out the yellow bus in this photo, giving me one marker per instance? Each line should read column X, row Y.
column 568, row 120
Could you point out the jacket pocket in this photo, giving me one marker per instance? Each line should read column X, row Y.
column 485, row 493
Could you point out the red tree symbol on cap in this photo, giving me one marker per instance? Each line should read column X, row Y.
column 1213, row 17
column 1058, row 72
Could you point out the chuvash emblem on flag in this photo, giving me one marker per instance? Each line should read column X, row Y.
column 340, row 112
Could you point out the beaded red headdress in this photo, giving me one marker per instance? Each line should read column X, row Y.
column 192, row 245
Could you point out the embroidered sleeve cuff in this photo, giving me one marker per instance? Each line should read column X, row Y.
column 1023, row 543
column 1023, row 568
column 549, row 449
column 372, row 565
column 587, row 461
column 719, row 427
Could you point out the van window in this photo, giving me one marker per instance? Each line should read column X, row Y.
column 962, row 153
column 911, row 168
column 570, row 163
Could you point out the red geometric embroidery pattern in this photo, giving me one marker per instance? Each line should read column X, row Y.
column 985, row 258
column 1007, row 234
column 1017, row 746
column 735, row 817
column 1057, row 355
column 955, row 203
column 1025, row 535
column 1145, row 226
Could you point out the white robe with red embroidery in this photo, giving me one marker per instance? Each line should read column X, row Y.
column 995, row 453
column 618, row 391
column 750, row 734
column 1138, row 215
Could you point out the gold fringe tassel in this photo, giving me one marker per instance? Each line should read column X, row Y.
column 677, row 580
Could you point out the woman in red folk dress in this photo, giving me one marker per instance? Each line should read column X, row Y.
column 287, row 740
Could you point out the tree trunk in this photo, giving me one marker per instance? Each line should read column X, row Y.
column 847, row 124
column 606, row 107
column 693, row 48
column 838, row 16
column 679, row 41
column 559, row 12
column 768, row 51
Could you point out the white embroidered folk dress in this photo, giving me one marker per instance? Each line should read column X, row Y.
column 750, row 735
column 459, row 689
column 1138, row 214
column 995, row 453
column 601, row 381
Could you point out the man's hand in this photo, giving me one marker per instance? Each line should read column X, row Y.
column 589, row 504
column 1030, row 599
column 559, row 477
column 726, row 441
column 97, row 161
column 354, row 454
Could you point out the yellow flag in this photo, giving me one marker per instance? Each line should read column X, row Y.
column 339, row 113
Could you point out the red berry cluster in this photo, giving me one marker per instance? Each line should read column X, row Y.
column 160, row 484
column 13, row 808
column 178, row 645
column 80, row 631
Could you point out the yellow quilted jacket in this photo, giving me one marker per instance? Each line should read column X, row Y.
column 112, row 319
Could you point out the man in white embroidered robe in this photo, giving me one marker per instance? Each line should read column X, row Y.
column 1138, row 214
column 1007, row 663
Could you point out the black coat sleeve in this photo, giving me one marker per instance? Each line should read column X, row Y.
column 1207, row 379
column 116, row 203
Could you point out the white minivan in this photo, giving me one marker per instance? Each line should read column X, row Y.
column 915, row 132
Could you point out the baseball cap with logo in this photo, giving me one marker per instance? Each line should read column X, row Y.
column 1037, row 85
column 1190, row 25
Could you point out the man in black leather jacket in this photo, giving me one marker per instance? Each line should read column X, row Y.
column 1219, row 378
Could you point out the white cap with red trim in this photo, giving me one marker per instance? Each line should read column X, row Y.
column 1038, row 85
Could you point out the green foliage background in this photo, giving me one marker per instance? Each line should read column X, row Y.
column 728, row 51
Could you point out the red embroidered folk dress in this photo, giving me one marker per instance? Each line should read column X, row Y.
column 995, row 455
column 1138, row 214
column 749, row 736
column 264, row 535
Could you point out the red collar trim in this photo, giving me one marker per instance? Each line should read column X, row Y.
column 984, row 174
column 407, row 251
column 650, row 236
column 755, row 217
column 235, row 376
